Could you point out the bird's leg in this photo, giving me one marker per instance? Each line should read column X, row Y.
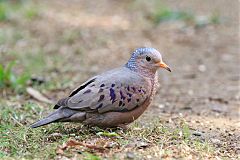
column 124, row 127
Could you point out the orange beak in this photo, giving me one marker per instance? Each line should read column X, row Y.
column 163, row 65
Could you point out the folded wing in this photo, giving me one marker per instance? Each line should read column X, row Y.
column 118, row 90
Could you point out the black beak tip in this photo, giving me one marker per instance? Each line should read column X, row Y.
column 169, row 69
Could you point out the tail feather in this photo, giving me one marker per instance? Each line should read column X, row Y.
column 59, row 114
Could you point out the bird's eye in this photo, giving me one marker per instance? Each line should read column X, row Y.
column 148, row 58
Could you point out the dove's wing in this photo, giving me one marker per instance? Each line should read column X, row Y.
column 63, row 102
column 117, row 90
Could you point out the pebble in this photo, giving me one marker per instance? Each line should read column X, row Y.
column 142, row 145
column 161, row 106
column 215, row 141
column 149, row 156
column 197, row 133
column 202, row 21
column 202, row 68
column 219, row 108
column 190, row 92
column 54, row 136
column 130, row 155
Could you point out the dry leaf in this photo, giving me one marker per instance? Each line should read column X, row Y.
column 74, row 144
column 38, row 96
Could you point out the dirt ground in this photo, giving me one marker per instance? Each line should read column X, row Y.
column 204, row 85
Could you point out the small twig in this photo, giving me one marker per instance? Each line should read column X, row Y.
column 16, row 121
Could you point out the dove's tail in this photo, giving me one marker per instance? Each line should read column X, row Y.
column 58, row 115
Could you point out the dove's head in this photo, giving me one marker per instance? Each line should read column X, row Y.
column 146, row 60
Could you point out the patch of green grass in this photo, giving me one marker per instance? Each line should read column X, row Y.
column 30, row 12
column 33, row 61
column 107, row 134
column 215, row 18
column 165, row 14
column 70, row 36
column 2, row 154
column 18, row 115
column 25, row 9
column 24, row 142
column 186, row 131
column 10, row 79
column 90, row 156
column 18, row 140
column 9, row 36
column 3, row 12
column 169, row 139
column 202, row 146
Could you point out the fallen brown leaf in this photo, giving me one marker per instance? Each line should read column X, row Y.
column 76, row 145
column 38, row 96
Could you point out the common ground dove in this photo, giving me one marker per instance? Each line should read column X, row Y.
column 114, row 98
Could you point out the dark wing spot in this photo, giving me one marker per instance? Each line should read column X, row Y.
column 137, row 100
column 139, row 90
column 100, row 90
column 101, row 98
column 81, row 87
column 100, row 105
column 129, row 99
column 102, row 85
column 129, row 94
column 128, row 88
column 113, row 85
column 87, row 91
column 122, row 96
column 123, row 104
column 134, row 89
column 120, row 103
column 112, row 95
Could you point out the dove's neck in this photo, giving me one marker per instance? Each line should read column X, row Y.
column 148, row 73
column 151, row 75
